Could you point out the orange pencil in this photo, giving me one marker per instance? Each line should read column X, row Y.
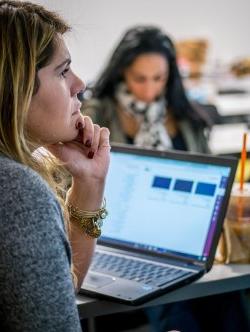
column 243, row 160
column 242, row 173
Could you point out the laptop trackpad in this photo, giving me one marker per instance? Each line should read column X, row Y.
column 95, row 280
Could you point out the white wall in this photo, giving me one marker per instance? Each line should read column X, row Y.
column 98, row 25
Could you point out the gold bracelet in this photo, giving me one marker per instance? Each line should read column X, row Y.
column 90, row 221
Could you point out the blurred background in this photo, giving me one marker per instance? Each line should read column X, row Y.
column 98, row 25
column 212, row 40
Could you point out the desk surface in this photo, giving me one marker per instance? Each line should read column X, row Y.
column 205, row 90
column 221, row 279
column 227, row 138
column 233, row 105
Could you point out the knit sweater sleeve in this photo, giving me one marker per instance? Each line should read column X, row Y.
column 36, row 289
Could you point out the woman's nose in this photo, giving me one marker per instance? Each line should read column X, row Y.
column 81, row 85
column 78, row 87
column 149, row 93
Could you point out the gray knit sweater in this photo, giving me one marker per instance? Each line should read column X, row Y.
column 36, row 290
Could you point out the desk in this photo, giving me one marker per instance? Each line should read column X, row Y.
column 221, row 279
column 228, row 138
column 233, row 105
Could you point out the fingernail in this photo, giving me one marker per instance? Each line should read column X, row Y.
column 91, row 154
column 88, row 143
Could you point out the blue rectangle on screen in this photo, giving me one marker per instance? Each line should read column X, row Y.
column 183, row 185
column 161, row 182
column 207, row 189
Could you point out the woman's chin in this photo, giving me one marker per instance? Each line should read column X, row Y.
column 71, row 137
column 62, row 140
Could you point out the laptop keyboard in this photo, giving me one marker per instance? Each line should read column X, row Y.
column 136, row 270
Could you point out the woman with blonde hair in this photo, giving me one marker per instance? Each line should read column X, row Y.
column 39, row 108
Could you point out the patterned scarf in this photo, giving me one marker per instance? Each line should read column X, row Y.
column 152, row 132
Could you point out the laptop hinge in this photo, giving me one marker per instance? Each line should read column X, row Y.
column 200, row 264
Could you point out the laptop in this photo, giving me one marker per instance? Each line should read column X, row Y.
column 166, row 211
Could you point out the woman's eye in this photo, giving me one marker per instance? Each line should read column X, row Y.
column 64, row 72
column 160, row 78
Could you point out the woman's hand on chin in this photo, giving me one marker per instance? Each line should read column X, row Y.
column 87, row 156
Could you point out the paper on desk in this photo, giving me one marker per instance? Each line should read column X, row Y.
column 227, row 138
column 233, row 104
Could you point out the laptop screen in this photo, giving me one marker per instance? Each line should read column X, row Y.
column 163, row 205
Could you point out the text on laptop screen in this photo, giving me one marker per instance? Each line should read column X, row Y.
column 163, row 205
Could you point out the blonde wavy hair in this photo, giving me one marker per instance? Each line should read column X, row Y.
column 28, row 40
column 28, row 36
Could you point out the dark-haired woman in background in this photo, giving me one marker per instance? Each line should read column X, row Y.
column 140, row 97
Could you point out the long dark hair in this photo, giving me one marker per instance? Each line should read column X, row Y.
column 149, row 39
